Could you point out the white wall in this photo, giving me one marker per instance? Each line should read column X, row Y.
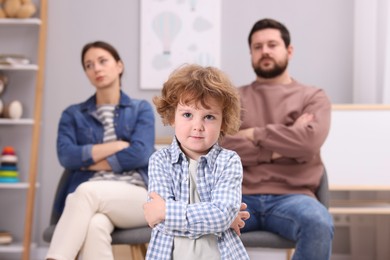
column 321, row 33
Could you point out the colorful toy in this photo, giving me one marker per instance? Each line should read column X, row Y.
column 8, row 169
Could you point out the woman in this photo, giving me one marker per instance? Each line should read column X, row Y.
column 105, row 142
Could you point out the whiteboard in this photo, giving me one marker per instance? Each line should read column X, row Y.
column 357, row 150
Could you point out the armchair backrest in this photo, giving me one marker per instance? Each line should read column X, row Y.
column 55, row 216
column 323, row 190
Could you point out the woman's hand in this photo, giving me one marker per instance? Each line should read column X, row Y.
column 103, row 165
column 104, row 150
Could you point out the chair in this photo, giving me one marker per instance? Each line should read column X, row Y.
column 265, row 239
column 136, row 238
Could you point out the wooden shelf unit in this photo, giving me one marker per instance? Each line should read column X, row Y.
column 38, row 67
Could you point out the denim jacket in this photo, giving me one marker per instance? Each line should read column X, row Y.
column 79, row 129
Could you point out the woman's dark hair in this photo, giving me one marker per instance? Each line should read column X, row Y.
column 102, row 45
column 268, row 23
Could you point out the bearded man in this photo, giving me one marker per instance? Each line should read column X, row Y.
column 284, row 125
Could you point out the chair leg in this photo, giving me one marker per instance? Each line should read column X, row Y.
column 143, row 249
column 121, row 252
column 138, row 252
column 290, row 253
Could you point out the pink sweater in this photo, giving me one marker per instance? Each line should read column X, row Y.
column 272, row 110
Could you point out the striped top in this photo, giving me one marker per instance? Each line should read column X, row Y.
column 105, row 114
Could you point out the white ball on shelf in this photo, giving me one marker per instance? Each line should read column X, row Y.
column 14, row 110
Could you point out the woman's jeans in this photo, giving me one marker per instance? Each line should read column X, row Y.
column 297, row 217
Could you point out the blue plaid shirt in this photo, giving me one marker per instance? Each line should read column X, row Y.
column 218, row 181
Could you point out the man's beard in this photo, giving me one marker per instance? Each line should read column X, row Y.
column 277, row 70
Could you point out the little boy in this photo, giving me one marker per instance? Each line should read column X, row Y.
column 195, row 185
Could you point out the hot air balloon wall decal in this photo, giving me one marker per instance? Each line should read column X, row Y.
column 166, row 26
column 174, row 32
column 193, row 4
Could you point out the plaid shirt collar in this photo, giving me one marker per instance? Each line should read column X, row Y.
column 209, row 158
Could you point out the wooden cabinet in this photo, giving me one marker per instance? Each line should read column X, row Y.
column 26, row 37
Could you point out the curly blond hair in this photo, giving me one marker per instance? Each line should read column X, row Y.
column 194, row 84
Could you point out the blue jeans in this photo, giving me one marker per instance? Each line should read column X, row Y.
column 297, row 217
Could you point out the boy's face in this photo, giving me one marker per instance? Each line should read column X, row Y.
column 198, row 128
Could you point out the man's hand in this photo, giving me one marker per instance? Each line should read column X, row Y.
column 276, row 155
column 247, row 133
column 154, row 210
column 239, row 222
column 303, row 120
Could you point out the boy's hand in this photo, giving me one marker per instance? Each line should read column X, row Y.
column 239, row 222
column 154, row 210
